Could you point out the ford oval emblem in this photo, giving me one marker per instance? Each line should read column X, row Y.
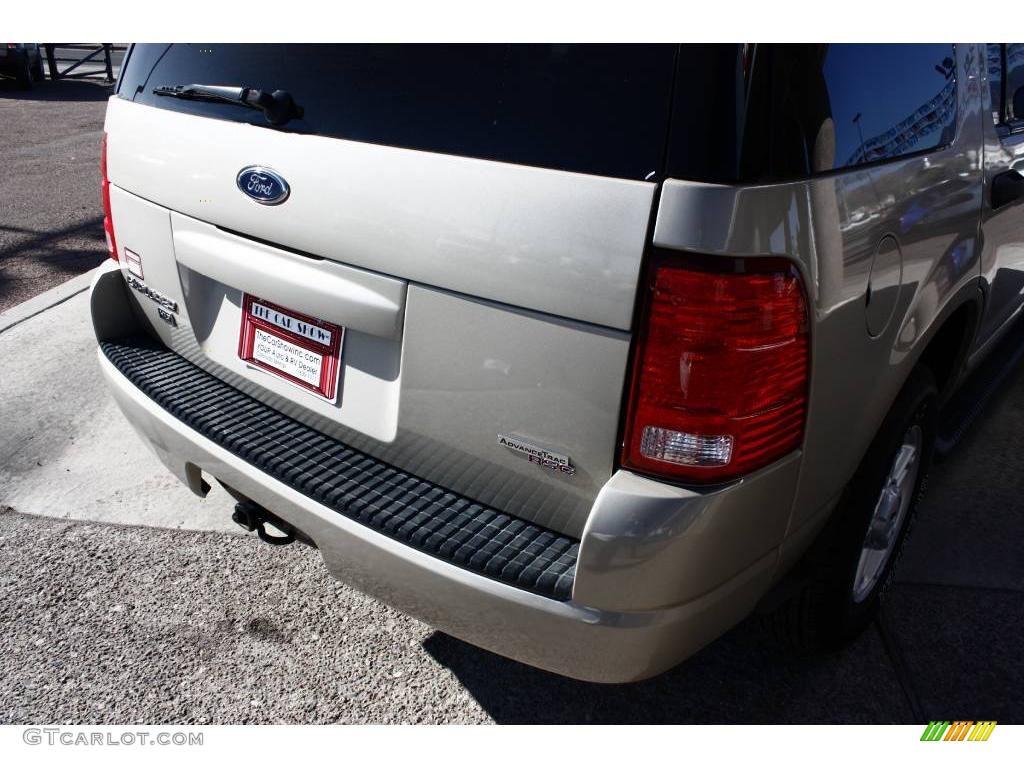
column 263, row 185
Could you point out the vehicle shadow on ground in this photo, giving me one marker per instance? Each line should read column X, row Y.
column 58, row 90
column 744, row 677
column 32, row 240
column 37, row 260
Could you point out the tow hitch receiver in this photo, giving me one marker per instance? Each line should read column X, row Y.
column 252, row 517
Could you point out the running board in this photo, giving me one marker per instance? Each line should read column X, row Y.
column 970, row 400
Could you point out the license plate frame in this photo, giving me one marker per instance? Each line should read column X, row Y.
column 271, row 333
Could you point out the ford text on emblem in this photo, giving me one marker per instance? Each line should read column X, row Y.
column 263, row 185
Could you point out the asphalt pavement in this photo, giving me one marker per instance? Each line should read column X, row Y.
column 51, row 215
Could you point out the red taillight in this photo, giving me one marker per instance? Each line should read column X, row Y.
column 108, row 220
column 720, row 372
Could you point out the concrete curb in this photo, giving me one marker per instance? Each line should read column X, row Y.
column 51, row 298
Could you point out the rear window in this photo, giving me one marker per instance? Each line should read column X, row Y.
column 597, row 109
column 776, row 112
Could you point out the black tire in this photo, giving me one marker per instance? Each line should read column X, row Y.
column 821, row 612
column 24, row 77
column 37, row 71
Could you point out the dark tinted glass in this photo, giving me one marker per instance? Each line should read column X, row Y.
column 598, row 109
column 787, row 111
column 706, row 131
column 1014, row 80
column 994, row 65
column 889, row 100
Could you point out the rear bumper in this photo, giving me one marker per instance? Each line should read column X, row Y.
column 639, row 603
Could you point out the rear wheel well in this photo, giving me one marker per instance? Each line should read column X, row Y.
column 947, row 349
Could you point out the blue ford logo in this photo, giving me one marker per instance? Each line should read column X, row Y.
column 263, row 185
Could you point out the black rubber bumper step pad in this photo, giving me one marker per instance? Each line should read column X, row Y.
column 395, row 503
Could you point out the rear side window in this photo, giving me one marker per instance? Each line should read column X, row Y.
column 888, row 101
column 792, row 111
column 598, row 109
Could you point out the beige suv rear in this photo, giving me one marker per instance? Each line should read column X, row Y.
column 573, row 352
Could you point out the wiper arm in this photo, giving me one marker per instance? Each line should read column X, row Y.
column 278, row 107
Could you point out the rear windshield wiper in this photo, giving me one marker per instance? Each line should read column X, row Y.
column 278, row 106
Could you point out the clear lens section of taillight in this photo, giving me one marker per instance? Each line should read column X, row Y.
column 685, row 448
column 720, row 374
column 108, row 219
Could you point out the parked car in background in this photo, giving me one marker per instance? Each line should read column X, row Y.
column 578, row 353
column 23, row 62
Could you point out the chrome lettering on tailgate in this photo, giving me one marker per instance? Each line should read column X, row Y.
column 538, row 455
column 148, row 292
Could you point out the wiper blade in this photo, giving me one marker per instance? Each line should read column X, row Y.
column 278, row 106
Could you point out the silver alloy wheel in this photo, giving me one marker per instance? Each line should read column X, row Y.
column 890, row 510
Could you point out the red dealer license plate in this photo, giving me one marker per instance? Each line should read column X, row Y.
column 296, row 347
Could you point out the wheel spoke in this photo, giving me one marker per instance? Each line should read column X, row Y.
column 887, row 518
